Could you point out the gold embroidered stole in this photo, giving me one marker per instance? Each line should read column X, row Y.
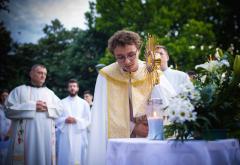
column 118, row 101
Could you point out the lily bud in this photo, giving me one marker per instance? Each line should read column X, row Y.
column 219, row 54
column 236, row 65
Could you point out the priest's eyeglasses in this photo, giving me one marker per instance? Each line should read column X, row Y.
column 131, row 56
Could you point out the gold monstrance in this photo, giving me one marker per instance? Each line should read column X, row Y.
column 153, row 61
column 154, row 105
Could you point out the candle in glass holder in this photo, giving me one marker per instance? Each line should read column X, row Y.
column 155, row 127
column 155, row 115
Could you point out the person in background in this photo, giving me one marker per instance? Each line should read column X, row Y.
column 72, row 126
column 5, row 124
column 87, row 95
column 33, row 108
column 192, row 75
column 177, row 78
column 3, row 96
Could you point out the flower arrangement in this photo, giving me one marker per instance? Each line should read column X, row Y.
column 212, row 103
column 218, row 83
column 181, row 113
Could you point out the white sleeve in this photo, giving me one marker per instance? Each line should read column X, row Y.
column 15, row 108
column 60, row 121
column 98, row 128
column 54, row 108
column 187, row 81
column 84, row 121
column 164, row 91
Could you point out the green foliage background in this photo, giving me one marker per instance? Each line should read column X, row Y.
column 191, row 29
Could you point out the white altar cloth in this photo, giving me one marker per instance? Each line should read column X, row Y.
column 139, row 151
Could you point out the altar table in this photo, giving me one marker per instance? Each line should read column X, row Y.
column 141, row 151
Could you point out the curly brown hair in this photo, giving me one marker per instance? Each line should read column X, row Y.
column 123, row 38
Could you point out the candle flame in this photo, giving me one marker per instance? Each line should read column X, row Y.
column 154, row 114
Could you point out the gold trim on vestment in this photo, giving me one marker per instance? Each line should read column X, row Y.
column 118, row 101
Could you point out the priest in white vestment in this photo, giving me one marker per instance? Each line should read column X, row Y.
column 72, row 127
column 32, row 109
column 5, row 124
column 121, row 95
column 178, row 79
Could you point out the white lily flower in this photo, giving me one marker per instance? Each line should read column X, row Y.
column 209, row 66
column 217, row 56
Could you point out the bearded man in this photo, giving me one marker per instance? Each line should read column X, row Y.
column 72, row 127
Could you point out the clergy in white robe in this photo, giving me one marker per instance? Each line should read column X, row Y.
column 121, row 86
column 5, row 124
column 72, row 127
column 32, row 109
column 178, row 79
